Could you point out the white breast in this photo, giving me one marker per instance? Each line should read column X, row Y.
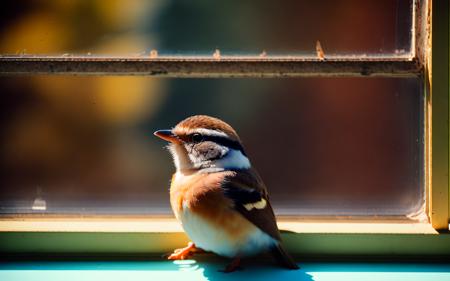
column 217, row 240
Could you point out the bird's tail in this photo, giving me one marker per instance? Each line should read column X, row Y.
column 282, row 257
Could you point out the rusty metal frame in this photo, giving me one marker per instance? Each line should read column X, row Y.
column 229, row 66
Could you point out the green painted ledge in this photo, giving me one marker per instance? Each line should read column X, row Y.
column 299, row 244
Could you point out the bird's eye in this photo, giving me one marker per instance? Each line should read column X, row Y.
column 196, row 137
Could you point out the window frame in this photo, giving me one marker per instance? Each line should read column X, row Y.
column 122, row 236
column 437, row 81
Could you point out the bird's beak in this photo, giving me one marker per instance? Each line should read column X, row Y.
column 167, row 135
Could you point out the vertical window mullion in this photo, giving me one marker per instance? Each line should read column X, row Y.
column 439, row 88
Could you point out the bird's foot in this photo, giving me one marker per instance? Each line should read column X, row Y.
column 234, row 265
column 183, row 253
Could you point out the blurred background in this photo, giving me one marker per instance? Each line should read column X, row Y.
column 84, row 144
column 134, row 27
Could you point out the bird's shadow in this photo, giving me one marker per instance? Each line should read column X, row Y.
column 252, row 269
column 201, row 267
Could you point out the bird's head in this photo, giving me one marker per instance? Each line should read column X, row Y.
column 206, row 144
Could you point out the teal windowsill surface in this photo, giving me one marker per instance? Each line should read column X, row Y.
column 208, row 269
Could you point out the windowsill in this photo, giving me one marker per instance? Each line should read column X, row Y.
column 95, row 236
column 208, row 268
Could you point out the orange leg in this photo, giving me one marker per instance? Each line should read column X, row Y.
column 234, row 265
column 183, row 253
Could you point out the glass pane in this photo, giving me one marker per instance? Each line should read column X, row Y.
column 123, row 27
column 323, row 146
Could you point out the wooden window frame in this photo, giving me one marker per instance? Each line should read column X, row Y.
column 96, row 235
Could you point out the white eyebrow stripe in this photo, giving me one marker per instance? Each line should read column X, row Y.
column 209, row 132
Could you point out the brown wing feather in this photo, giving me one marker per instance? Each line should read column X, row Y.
column 244, row 187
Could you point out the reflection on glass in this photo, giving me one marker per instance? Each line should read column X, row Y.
column 123, row 27
column 323, row 146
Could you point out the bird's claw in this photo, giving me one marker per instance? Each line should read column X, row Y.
column 183, row 253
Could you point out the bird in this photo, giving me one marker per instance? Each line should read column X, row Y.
column 218, row 196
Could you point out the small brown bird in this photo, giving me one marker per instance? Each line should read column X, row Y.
column 217, row 195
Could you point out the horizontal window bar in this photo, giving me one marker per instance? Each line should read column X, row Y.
column 225, row 66
column 171, row 225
